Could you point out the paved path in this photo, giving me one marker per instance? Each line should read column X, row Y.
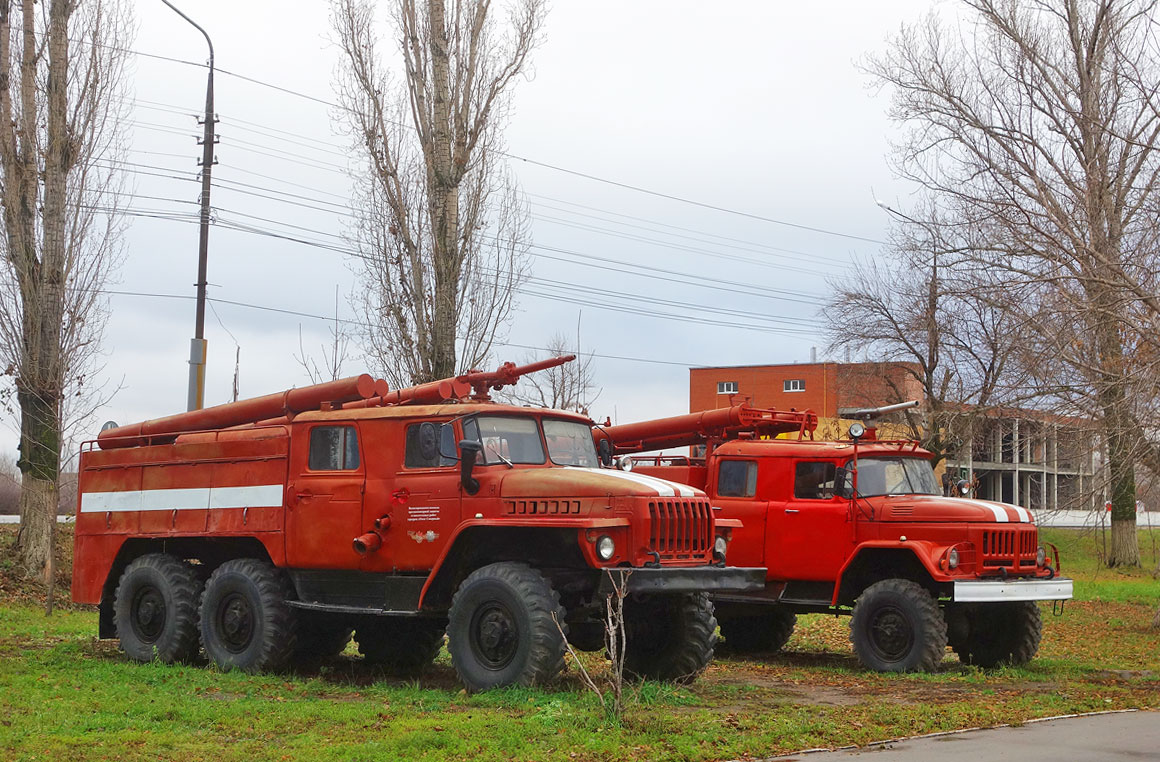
column 1091, row 738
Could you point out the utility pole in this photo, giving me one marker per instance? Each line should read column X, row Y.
column 197, row 345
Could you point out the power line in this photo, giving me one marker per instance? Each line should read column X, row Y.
column 566, row 170
column 348, row 321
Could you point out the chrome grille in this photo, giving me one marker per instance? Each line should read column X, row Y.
column 680, row 528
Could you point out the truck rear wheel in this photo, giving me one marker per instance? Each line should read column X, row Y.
column 759, row 629
column 669, row 637
column 155, row 609
column 1000, row 633
column 501, row 629
column 246, row 623
column 402, row 646
column 897, row 627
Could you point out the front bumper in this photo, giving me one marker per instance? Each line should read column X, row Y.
column 986, row 591
column 694, row 579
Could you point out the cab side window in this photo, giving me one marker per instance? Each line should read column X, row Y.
column 333, row 448
column 814, row 481
column 737, row 478
column 413, row 455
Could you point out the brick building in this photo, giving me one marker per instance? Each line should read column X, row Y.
column 1024, row 457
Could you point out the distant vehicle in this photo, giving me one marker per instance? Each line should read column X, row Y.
column 271, row 529
column 856, row 527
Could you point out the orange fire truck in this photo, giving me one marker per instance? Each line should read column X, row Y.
column 857, row 527
column 273, row 528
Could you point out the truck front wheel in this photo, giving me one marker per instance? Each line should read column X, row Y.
column 1000, row 633
column 402, row 646
column 669, row 637
column 759, row 629
column 155, row 609
column 897, row 627
column 246, row 623
column 502, row 628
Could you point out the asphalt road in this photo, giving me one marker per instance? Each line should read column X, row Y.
column 1091, row 738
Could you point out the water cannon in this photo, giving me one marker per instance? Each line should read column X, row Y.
column 869, row 416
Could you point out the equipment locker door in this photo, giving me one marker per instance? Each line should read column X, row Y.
column 324, row 496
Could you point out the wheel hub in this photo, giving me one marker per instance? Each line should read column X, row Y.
column 495, row 635
column 891, row 634
column 148, row 614
column 235, row 622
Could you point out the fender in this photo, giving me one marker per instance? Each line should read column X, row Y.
column 923, row 551
column 578, row 523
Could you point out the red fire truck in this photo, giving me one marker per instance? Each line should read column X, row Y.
column 857, row 527
column 272, row 529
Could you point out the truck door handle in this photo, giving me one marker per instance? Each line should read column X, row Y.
column 792, row 510
column 304, row 495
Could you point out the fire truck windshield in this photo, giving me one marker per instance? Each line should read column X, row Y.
column 506, row 439
column 895, row 476
column 570, row 443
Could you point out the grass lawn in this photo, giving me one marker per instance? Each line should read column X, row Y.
column 66, row 695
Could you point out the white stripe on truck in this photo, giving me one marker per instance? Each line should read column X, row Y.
column 195, row 499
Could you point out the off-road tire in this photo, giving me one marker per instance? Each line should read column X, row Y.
column 1001, row 633
column 403, row 646
column 155, row 609
column 897, row 627
column 319, row 640
column 246, row 622
column 764, row 629
column 668, row 637
column 501, row 629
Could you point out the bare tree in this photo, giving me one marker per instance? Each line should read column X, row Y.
column 1037, row 124
column 61, row 99
column 328, row 365
column 571, row 386
column 914, row 309
column 441, row 229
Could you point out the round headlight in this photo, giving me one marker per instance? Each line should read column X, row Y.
column 857, row 430
column 624, row 463
column 720, row 545
column 605, row 547
column 1041, row 556
column 953, row 558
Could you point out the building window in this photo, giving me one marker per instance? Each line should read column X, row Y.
column 727, row 387
column 794, row 385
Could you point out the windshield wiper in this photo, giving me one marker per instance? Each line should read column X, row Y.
column 505, row 460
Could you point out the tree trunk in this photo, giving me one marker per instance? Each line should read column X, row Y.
column 444, row 190
column 40, row 467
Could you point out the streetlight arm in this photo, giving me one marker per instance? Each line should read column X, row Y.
column 195, row 25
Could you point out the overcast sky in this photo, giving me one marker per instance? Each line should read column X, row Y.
column 754, row 107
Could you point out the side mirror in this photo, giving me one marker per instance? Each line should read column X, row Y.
column 429, row 441
column 469, row 450
column 604, row 450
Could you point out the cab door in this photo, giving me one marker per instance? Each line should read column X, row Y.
column 810, row 533
column 324, row 496
column 425, row 504
column 734, row 491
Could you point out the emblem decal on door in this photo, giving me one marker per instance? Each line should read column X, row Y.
column 428, row 536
